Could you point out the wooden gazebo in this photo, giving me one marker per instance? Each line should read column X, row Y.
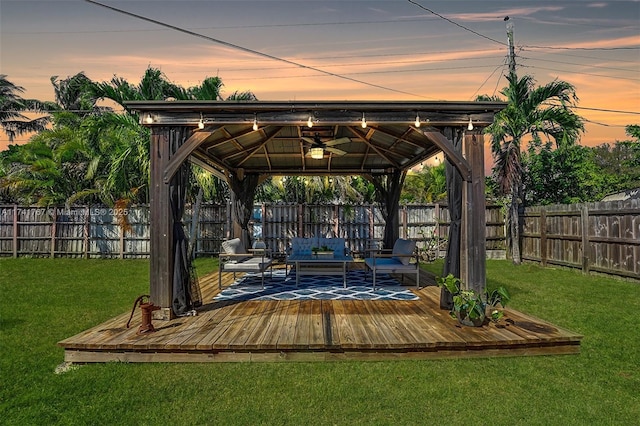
column 245, row 142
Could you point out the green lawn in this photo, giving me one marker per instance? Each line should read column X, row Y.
column 44, row 301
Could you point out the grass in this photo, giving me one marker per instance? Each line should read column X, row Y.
column 46, row 300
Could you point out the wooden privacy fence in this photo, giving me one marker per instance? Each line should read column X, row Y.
column 95, row 231
column 601, row 237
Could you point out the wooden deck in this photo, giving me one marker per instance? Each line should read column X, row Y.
column 317, row 330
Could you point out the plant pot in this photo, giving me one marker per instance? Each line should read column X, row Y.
column 324, row 255
column 446, row 299
column 464, row 319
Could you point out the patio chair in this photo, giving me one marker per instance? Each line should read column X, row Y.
column 395, row 261
column 238, row 259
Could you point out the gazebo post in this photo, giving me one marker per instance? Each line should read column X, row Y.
column 161, row 226
column 473, row 240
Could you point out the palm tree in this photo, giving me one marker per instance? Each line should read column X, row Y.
column 12, row 105
column 535, row 112
column 74, row 94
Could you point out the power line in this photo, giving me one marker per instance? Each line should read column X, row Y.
column 455, row 23
column 581, row 48
column 366, row 72
column 583, row 73
column 616, row 111
column 583, row 65
column 501, row 66
column 604, row 124
column 247, row 50
column 232, row 27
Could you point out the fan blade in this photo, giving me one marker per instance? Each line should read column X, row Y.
column 338, row 141
column 335, row 151
column 308, row 140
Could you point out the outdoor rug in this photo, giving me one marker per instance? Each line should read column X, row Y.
column 311, row 287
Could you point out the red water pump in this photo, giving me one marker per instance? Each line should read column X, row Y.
column 147, row 308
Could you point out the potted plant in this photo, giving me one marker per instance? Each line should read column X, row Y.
column 471, row 307
column 322, row 252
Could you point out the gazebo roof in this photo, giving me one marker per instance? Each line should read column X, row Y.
column 280, row 145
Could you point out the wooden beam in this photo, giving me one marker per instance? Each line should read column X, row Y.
column 473, row 244
column 447, row 147
column 379, row 150
column 184, row 152
column 217, row 173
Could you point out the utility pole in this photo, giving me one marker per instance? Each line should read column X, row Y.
column 512, row 55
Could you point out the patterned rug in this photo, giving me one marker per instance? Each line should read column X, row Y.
column 312, row 287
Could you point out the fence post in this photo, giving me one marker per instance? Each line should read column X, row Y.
column 300, row 221
column 543, row 237
column 87, row 221
column 586, row 246
column 372, row 227
column 228, row 233
column 15, row 230
column 122, row 231
column 436, row 229
column 405, row 218
column 54, row 221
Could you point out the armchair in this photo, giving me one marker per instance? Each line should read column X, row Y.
column 396, row 261
column 238, row 259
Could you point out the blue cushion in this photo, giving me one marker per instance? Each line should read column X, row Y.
column 404, row 247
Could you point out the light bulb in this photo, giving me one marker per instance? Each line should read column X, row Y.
column 149, row 119
column 364, row 122
column 201, row 123
column 417, row 123
column 316, row 153
column 310, row 122
column 470, row 126
column 255, row 124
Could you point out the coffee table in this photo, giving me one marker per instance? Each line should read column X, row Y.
column 309, row 264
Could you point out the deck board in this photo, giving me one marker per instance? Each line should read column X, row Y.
column 317, row 330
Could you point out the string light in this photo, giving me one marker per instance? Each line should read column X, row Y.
column 417, row 123
column 255, row 123
column 310, row 121
column 470, row 126
column 200, row 123
column 364, row 122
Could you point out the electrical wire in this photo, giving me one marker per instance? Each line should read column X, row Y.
column 501, row 66
column 247, row 50
column 456, row 24
column 582, row 73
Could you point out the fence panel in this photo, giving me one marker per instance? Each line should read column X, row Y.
column 103, row 232
column 601, row 237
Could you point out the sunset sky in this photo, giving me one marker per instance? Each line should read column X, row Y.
column 338, row 50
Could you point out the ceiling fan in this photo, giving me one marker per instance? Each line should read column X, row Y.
column 317, row 147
